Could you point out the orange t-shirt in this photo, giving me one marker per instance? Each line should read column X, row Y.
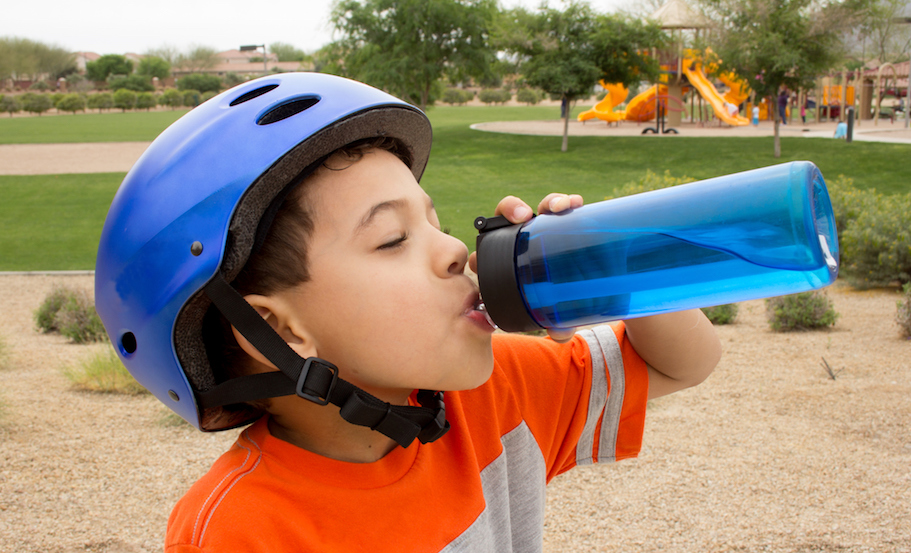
column 547, row 408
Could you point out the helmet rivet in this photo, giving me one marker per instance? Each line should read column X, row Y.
column 196, row 248
column 173, row 395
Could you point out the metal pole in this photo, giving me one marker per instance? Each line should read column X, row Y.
column 265, row 67
column 850, row 136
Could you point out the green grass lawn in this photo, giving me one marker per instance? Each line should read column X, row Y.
column 53, row 222
column 113, row 126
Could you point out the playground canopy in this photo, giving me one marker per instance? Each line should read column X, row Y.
column 677, row 14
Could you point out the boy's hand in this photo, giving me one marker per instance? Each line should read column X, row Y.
column 517, row 211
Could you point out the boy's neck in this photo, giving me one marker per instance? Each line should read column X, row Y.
column 321, row 430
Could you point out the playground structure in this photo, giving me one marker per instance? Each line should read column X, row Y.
column 683, row 71
column 648, row 104
column 687, row 70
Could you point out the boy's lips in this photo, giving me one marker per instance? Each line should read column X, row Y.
column 476, row 311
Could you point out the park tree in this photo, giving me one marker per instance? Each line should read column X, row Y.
column 565, row 53
column 172, row 98
column 124, row 99
column 101, row 101
column 167, row 52
column 10, row 104
column 782, row 44
column 27, row 59
column 146, row 101
column 33, row 102
column 107, row 65
column 154, row 66
column 287, row 52
column 407, row 46
column 884, row 33
column 134, row 82
column 200, row 82
column 199, row 58
column 71, row 102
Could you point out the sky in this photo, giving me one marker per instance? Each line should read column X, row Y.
column 128, row 26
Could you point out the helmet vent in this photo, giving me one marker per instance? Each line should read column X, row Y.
column 255, row 93
column 286, row 110
column 128, row 342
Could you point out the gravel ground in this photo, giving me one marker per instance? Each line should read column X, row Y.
column 768, row 455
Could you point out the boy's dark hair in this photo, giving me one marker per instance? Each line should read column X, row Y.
column 280, row 262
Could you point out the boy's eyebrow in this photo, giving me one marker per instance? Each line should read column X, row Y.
column 389, row 205
column 367, row 220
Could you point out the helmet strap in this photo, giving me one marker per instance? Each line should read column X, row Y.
column 315, row 379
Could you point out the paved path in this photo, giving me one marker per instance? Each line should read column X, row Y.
column 885, row 132
column 111, row 157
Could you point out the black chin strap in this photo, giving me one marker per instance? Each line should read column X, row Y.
column 315, row 379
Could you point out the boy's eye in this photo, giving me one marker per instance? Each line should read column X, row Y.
column 392, row 244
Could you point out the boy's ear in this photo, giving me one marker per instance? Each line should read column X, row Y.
column 279, row 316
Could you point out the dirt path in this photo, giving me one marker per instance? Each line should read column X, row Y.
column 52, row 159
column 768, row 455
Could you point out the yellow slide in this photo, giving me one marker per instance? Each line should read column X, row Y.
column 697, row 78
column 739, row 90
column 642, row 106
column 604, row 110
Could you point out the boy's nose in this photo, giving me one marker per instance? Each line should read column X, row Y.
column 452, row 255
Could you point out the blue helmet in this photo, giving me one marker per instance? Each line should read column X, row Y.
column 187, row 213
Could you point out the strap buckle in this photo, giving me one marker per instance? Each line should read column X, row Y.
column 319, row 378
column 438, row 426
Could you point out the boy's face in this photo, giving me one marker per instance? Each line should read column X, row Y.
column 388, row 300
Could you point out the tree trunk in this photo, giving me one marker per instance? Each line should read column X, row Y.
column 565, row 145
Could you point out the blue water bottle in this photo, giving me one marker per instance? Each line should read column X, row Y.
column 756, row 234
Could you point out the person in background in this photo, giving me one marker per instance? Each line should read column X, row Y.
column 783, row 106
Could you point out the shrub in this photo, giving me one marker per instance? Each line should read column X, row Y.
column 78, row 320
column 206, row 96
column 233, row 79
column 200, row 82
column 171, row 97
column 36, row 103
column 71, row 313
column 650, row 181
column 903, row 314
column 10, row 104
column 190, row 98
column 848, row 202
column 72, row 103
column 124, row 99
column 528, row 96
column 40, row 86
column 100, row 101
column 877, row 244
column 804, row 311
column 721, row 314
column 494, row 96
column 134, row 82
column 453, row 96
column 103, row 372
column 46, row 314
column 145, row 100
column 874, row 234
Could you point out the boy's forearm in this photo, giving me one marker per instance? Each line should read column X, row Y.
column 680, row 348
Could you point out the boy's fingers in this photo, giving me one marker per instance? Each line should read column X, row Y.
column 556, row 202
column 473, row 262
column 514, row 209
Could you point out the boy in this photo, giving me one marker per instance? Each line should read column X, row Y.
column 273, row 253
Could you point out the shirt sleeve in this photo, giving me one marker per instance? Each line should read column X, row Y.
column 584, row 401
